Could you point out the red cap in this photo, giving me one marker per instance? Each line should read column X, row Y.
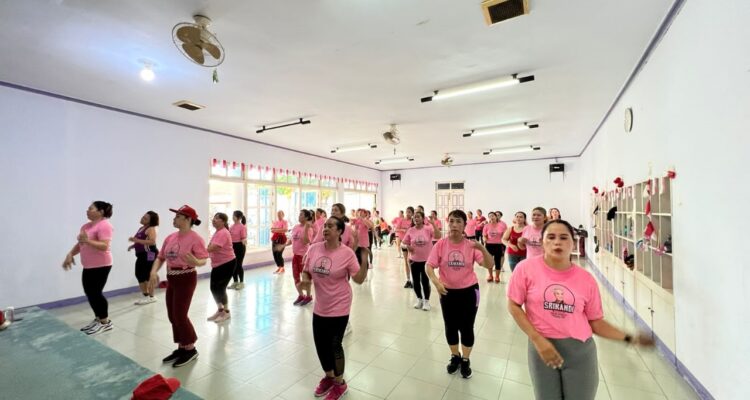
column 156, row 388
column 187, row 211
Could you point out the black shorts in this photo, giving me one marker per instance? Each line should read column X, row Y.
column 143, row 266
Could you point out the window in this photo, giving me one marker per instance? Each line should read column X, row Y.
column 224, row 197
column 327, row 199
column 355, row 200
column 287, row 200
column 260, row 212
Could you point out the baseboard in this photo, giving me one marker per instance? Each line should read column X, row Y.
column 665, row 351
column 133, row 289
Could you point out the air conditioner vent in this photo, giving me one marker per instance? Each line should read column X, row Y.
column 188, row 105
column 500, row 10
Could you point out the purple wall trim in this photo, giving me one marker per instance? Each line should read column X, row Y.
column 166, row 121
column 132, row 289
column 681, row 369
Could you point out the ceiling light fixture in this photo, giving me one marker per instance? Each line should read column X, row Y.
column 344, row 149
column 301, row 121
column 493, row 130
column 477, row 87
column 394, row 160
column 512, row 150
column 147, row 72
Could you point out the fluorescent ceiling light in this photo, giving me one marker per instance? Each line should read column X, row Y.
column 477, row 87
column 343, row 149
column 493, row 130
column 512, row 150
column 394, row 160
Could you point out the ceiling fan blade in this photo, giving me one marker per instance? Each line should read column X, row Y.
column 213, row 50
column 189, row 34
column 194, row 52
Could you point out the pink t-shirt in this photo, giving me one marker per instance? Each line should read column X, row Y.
column 177, row 245
column 471, row 227
column 559, row 304
column 346, row 236
column 495, row 232
column 330, row 271
column 421, row 241
column 533, row 241
column 481, row 222
column 403, row 225
column 319, row 223
column 238, row 232
column 437, row 223
column 298, row 233
column 363, row 239
column 91, row 257
column 456, row 262
column 280, row 225
column 225, row 253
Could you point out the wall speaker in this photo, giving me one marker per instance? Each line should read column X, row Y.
column 557, row 167
column 395, row 177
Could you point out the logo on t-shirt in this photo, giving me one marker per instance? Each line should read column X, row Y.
column 419, row 241
column 295, row 237
column 456, row 259
column 322, row 266
column 492, row 234
column 559, row 300
column 173, row 252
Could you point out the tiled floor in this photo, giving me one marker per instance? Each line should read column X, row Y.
column 395, row 352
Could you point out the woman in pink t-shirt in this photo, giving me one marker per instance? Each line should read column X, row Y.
column 510, row 239
column 94, row 239
column 302, row 236
column 557, row 304
column 182, row 251
column 329, row 265
column 278, row 241
column 531, row 237
column 457, row 285
column 238, row 231
column 348, row 238
column 418, row 241
column 481, row 222
column 436, row 225
column 403, row 225
column 395, row 224
column 493, row 238
column 362, row 228
column 223, row 264
column 470, row 230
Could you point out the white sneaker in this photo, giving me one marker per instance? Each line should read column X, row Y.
column 348, row 329
column 213, row 317
column 418, row 304
column 426, row 305
column 239, row 286
column 233, row 285
column 99, row 327
column 145, row 300
column 223, row 316
column 90, row 325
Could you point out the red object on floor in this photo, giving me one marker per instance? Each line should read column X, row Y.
column 156, row 388
column 163, row 285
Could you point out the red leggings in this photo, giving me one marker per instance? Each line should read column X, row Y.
column 297, row 268
column 179, row 295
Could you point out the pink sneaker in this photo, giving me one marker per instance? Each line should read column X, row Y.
column 299, row 300
column 325, row 386
column 306, row 301
column 337, row 391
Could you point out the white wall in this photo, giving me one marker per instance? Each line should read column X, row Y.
column 57, row 156
column 691, row 107
column 507, row 187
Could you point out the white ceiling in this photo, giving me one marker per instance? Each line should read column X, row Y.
column 352, row 67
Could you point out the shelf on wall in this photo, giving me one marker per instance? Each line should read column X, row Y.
column 625, row 238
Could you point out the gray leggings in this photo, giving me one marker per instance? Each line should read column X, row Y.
column 578, row 378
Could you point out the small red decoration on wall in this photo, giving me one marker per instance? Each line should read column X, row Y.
column 595, row 189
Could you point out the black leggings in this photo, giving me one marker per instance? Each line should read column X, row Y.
column 278, row 257
column 459, row 312
column 328, row 333
column 239, row 256
column 93, row 280
column 220, row 277
column 498, row 251
column 420, row 279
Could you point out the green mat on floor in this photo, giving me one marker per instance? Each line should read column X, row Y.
column 42, row 358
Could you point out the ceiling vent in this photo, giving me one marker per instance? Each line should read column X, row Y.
column 500, row 10
column 188, row 105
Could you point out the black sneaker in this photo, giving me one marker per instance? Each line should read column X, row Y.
column 465, row 368
column 186, row 357
column 454, row 364
column 408, row 285
column 172, row 356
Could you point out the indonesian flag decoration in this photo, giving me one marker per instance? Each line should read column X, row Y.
column 268, row 168
column 214, row 162
column 648, row 233
column 234, row 164
column 242, row 165
column 224, row 163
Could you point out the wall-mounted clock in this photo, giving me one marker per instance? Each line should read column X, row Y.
column 628, row 119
